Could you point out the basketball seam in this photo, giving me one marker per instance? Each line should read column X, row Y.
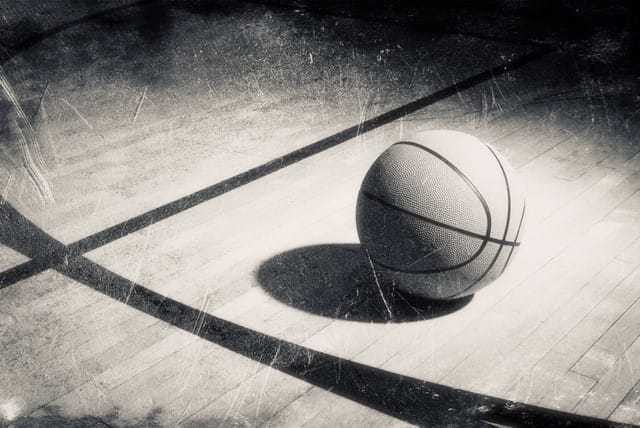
column 469, row 183
column 444, row 269
column 439, row 270
column 506, row 227
column 440, row 224
column 473, row 188
column 506, row 263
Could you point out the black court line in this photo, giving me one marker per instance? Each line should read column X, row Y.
column 416, row 25
column 170, row 209
column 36, row 38
column 412, row 400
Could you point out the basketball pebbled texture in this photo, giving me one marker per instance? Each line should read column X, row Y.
column 441, row 218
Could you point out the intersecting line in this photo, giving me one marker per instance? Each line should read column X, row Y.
column 413, row 400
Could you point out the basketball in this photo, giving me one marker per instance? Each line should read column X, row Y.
column 440, row 217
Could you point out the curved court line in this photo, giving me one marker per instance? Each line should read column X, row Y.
column 417, row 25
column 36, row 38
column 410, row 399
column 39, row 37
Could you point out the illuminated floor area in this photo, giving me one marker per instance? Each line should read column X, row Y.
column 181, row 247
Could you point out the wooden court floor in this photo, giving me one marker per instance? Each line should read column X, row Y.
column 177, row 226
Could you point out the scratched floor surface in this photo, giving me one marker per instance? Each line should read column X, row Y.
column 133, row 120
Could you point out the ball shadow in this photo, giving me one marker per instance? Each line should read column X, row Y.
column 337, row 281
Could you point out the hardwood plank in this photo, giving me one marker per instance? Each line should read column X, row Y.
column 239, row 88
column 534, row 259
column 519, row 362
column 611, row 389
column 629, row 410
column 572, row 347
column 468, row 374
